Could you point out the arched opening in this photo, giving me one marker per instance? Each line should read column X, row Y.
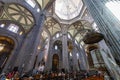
column 56, row 59
column 89, row 54
column 6, row 47
column 55, row 62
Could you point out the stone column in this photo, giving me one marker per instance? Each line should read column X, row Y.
column 48, row 65
column 29, row 49
column 75, row 60
column 65, row 63
column 34, row 47
column 83, row 59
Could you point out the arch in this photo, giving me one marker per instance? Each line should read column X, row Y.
column 80, row 24
column 52, row 25
column 89, row 55
column 7, row 45
column 55, row 62
column 78, row 29
column 7, row 23
column 27, row 6
column 58, row 43
column 20, row 14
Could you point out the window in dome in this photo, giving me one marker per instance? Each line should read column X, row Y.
column 32, row 3
column 14, row 28
column 68, row 9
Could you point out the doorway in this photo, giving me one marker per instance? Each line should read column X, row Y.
column 6, row 47
column 55, row 63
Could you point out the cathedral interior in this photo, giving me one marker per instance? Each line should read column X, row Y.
column 74, row 37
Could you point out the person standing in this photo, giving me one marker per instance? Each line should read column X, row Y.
column 3, row 76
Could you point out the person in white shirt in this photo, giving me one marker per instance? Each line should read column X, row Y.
column 41, row 68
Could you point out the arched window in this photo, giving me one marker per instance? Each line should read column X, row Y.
column 76, row 42
column 57, row 35
column 56, row 47
column 32, row 3
column 77, row 56
column 81, row 46
column 70, row 54
column 2, row 25
column 69, row 36
column 14, row 28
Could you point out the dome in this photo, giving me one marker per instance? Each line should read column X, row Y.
column 68, row 9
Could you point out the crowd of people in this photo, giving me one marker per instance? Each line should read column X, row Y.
column 81, row 75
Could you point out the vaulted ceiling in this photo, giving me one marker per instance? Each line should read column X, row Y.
column 74, row 13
